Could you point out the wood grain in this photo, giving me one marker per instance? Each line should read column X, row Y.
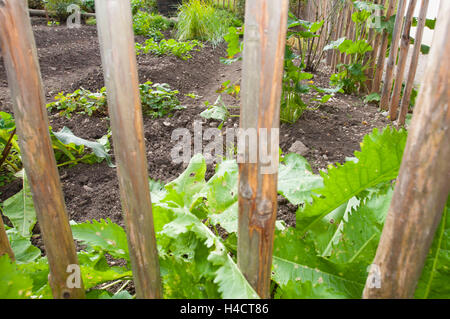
column 116, row 38
column 264, row 46
column 24, row 78
column 423, row 184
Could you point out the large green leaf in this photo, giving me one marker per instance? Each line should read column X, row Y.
column 308, row 290
column 296, row 180
column 361, row 232
column 13, row 283
column 231, row 282
column 65, row 136
column 435, row 280
column 104, row 236
column 20, row 210
column 295, row 260
column 24, row 251
column 378, row 162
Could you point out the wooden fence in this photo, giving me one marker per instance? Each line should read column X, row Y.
column 421, row 187
column 382, row 73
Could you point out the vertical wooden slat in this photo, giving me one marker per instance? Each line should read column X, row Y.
column 414, row 61
column 403, row 56
column 374, row 38
column 24, row 77
column 121, row 78
column 382, row 51
column 423, row 185
column 393, row 51
column 264, row 44
column 5, row 247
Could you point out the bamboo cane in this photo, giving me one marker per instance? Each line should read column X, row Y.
column 264, row 44
column 414, row 61
column 423, row 187
column 116, row 38
column 22, row 68
column 403, row 56
column 388, row 77
column 382, row 52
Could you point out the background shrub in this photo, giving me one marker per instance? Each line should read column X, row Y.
column 36, row 4
column 199, row 20
column 58, row 8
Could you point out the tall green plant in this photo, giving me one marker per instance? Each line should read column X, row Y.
column 199, row 20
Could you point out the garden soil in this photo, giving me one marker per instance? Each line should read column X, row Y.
column 70, row 59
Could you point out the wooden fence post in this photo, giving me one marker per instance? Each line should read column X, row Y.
column 121, row 78
column 382, row 52
column 404, row 106
column 403, row 56
column 5, row 247
column 388, row 77
column 24, row 77
column 423, row 184
column 264, row 44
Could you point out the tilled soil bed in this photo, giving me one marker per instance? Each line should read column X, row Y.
column 70, row 59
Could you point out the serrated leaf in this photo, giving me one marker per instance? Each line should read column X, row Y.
column 435, row 278
column 308, row 290
column 295, row 260
column 185, row 190
column 296, row 180
column 13, row 283
column 103, row 235
column 361, row 232
column 378, row 162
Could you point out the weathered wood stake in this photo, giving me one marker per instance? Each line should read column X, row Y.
column 393, row 51
column 24, row 77
column 406, row 99
column 423, row 184
column 265, row 35
column 121, row 78
column 403, row 56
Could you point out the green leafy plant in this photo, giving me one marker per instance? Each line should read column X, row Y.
column 217, row 111
column 81, row 101
column 231, row 89
column 69, row 149
column 339, row 224
column 143, row 5
column 199, row 20
column 179, row 49
column 149, row 25
column 159, row 100
column 234, row 45
column 58, row 8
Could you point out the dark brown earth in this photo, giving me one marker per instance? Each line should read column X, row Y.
column 70, row 58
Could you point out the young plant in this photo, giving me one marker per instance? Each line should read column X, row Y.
column 149, row 25
column 159, row 100
column 231, row 89
column 180, row 49
column 218, row 111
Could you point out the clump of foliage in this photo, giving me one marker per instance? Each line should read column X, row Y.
column 157, row 99
column 58, row 8
column 143, row 5
column 198, row 19
column 218, row 111
column 69, row 149
column 180, row 49
column 81, row 101
column 88, row 5
column 36, row 4
column 352, row 77
column 150, row 24
column 339, row 223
